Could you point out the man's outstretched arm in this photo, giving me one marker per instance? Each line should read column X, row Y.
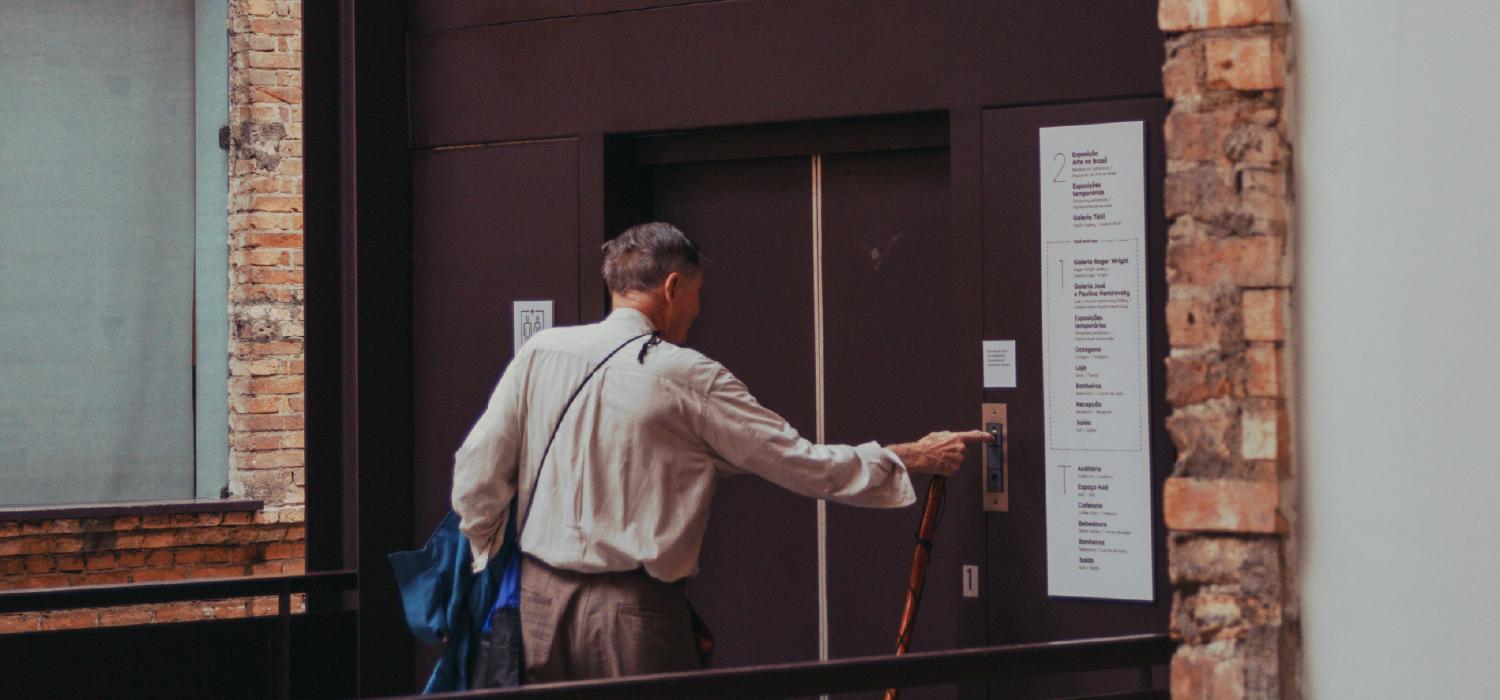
column 756, row 440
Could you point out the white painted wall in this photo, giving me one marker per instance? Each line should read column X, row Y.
column 1399, row 323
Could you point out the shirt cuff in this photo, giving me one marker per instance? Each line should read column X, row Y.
column 900, row 493
column 481, row 558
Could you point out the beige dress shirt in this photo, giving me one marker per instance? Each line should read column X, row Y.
column 631, row 474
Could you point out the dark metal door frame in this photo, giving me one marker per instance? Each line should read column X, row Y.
column 358, row 305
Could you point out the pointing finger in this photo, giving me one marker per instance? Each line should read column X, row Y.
column 974, row 436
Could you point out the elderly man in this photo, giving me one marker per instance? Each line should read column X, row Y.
column 614, row 517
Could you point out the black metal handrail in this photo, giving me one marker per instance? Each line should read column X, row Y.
column 283, row 587
column 1141, row 651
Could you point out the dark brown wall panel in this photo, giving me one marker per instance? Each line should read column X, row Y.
column 1020, row 610
column 498, row 83
column 437, row 15
column 493, row 225
column 761, row 61
column 748, row 61
column 888, row 325
column 753, row 219
column 590, row 7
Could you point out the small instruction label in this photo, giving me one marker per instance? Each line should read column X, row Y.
column 999, row 364
column 529, row 318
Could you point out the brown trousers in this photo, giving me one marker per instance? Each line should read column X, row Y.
column 576, row 626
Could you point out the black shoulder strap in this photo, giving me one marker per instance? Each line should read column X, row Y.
column 655, row 338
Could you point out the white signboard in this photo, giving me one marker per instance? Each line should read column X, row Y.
column 999, row 364
column 529, row 317
column 1094, row 349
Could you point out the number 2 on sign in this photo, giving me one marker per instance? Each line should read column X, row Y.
column 1059, row 157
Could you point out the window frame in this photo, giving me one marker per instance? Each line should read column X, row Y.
column 210, row 478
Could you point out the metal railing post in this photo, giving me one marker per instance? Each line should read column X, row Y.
column 284, row 642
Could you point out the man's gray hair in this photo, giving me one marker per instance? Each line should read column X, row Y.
column 643, row 255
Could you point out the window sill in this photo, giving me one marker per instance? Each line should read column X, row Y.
column 107, row 510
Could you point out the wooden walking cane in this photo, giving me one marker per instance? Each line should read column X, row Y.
column 919, row 559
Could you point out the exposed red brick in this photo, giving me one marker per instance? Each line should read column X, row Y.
column 277, row 385
column 275, row 459
column 272, row 240
column 256, row 404
column 20, row 622
column 44, row 581
column 1245, row 62
column 149, row 575
column 228, row 609
column 138, row 615
column 265, row 275
column 130, row 540
column 1181, row 15
column 1250, row 261
column 238, row 518
column 101, row 578
column 272, row 59
column 1264, row 313
column 220, row 571
column 1221, row 505
column 179, row 612
column 265, row 422
column 1191, row 322
column 1199, row 676
column 1263, row 431
column 67, row 620
column 275, row 348
column 1198, row 136
column 275, row 26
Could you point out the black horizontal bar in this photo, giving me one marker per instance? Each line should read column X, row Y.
column 112, row 510
column 175, row 591
column 867, row 673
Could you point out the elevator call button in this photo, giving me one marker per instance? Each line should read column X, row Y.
column 996, row 471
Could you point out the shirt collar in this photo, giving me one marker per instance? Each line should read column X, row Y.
column 630, row 318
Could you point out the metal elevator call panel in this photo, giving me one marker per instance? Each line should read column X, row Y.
column 996, row 471
column 994, row 461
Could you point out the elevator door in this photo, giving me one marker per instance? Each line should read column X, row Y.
column 753, row 221
column 827, row 292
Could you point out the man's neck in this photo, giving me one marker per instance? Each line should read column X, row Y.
column 649, row 307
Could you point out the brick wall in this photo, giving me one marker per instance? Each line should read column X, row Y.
column 265, row 383
column 1229, row 275
column 135, row 548
column 265, row 259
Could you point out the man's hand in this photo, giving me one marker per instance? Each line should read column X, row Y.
column 940, row 453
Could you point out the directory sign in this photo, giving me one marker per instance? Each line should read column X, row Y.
column 1098, row 456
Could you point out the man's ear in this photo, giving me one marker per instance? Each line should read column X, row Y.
column 671, row 285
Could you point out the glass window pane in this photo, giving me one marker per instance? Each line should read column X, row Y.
column 96, row 250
